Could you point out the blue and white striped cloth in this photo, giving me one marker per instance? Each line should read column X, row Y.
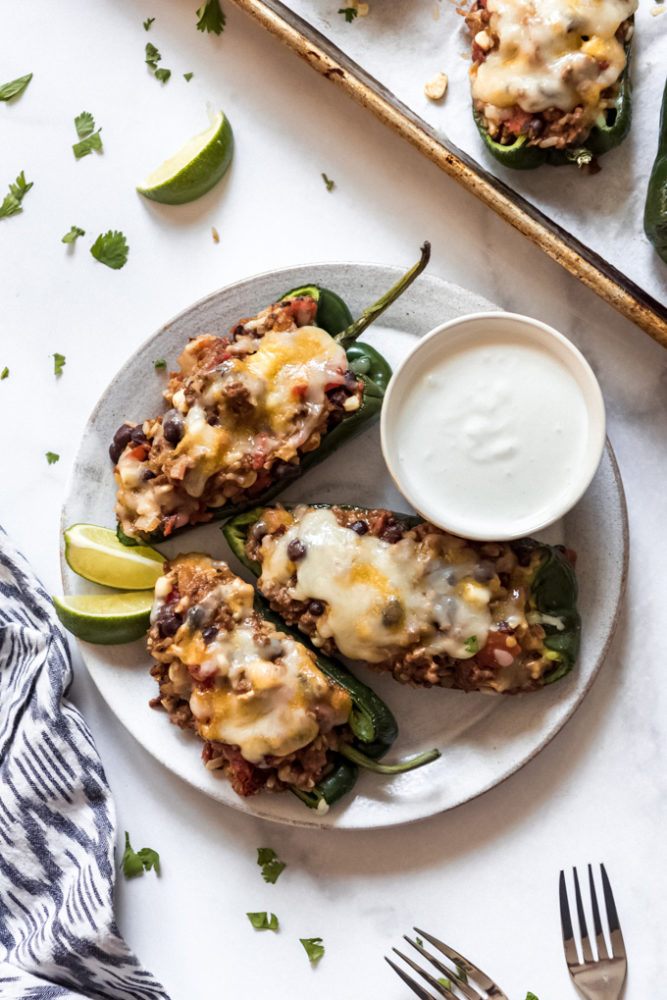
column 58, row 937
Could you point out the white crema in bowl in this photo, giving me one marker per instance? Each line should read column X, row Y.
column 494, row 426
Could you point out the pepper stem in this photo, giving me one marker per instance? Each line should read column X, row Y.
column 368, row 316
column 357, row 757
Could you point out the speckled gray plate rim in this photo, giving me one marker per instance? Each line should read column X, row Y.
column 483, row 739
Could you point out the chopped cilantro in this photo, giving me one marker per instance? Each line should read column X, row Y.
column 59, row 363
column 160, row 363
column 17, row 191
column 89, row 138
column 530, row 996
column 14, row 88
column 71, row 236
column 268, row 861
column 153, row 57
column 472, row 645
column 52, row 457
column 447, row 983
column 188, row 76
column 262, row 921
column 85, row 124
column 137, row 862
column 5, row 373
column 148, row 22
column 314, row 948
column 111, row 249
column 462, row 974
column 349, row 12
column 162, row 75
column 420, row 942
column 210, row 17
column 330, row 185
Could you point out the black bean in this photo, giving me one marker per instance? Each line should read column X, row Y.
column 337, row 396
column 360, row 527
column 393, row 612
column 504, row 579
column 393, row 533
column 316, row 608
column 120, row 441
column 137, row 436
column 213, row 420
column 484, row 572
column 147, row 475
column 168, row 622
column 173, row 426
column 296, row 550
column 258, row 530
column 452, row 579
column 209, row 634
column 284, row 470
column 196, row 617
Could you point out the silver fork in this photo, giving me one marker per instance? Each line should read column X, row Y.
column 459, row 977
column 598, row 978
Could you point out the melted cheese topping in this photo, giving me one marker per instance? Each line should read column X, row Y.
column 551, row 53
column 268, row 693
column 381, row 597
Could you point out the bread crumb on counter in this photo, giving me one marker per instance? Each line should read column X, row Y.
column 436, row 88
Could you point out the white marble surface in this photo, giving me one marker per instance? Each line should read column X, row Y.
column 483, row 876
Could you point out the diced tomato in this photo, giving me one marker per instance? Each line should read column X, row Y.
column 246, row 778
column 140, row 453
column 260, row 450
column 300, row 390
column 518, row 120
column 497, row 643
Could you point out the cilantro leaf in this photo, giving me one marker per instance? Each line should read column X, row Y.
column 160, row 363
column 330, row 185
column 271, row 867
column 71, row 236
column 111, row 249
column 419, row 942
column 188, row 76
column 530, row 996
column 59, row 363
column 349, row 12
column 148, row 22
column 52, row 457
column 210, row 17
column 17, row 191
column 262, row 921
column 85, row 124
column 472, row 645
column 314, row 948
column 153, row 57
column 15, row 87
column 137, row 862
column 87, row 145
column 162, row 74
column 5, row 373
column 447, row 983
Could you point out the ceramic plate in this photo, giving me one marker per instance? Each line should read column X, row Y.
column 483, row 739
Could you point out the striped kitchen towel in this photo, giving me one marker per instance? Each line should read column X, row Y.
column 58, row 937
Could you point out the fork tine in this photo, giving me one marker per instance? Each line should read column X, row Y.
column 461, row 962
column 571, row 956
column 414, row 986
column 586, row 949
column 440, row 987
column 452, row 974
column 617, row 943
column 599, row 936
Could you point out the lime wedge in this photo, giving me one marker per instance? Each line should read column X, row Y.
column 196, row 167
column 96, row 554
column 107, row 619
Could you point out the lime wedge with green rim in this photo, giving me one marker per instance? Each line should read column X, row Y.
column 195, row 169
column 96, row 554
column 107, row 619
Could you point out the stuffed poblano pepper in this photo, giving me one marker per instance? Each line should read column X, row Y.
column 655, row 209
column 274, row 715
column 251, row 411
column 550, row 81
column 411, row 599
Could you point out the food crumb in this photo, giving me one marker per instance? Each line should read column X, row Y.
column 215, row 234
column 362, row 9
column 658, row 10
column 436, row 88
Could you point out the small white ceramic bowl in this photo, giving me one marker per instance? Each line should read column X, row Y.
column 493, row 426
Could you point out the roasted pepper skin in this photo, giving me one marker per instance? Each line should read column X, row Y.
column 371, row 721
column 553, row 587
column 655, row 209
column 602, row 137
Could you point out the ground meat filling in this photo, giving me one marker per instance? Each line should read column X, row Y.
column 511, row 659
column 551, row 128
column 225, row 438
column 189, row 618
